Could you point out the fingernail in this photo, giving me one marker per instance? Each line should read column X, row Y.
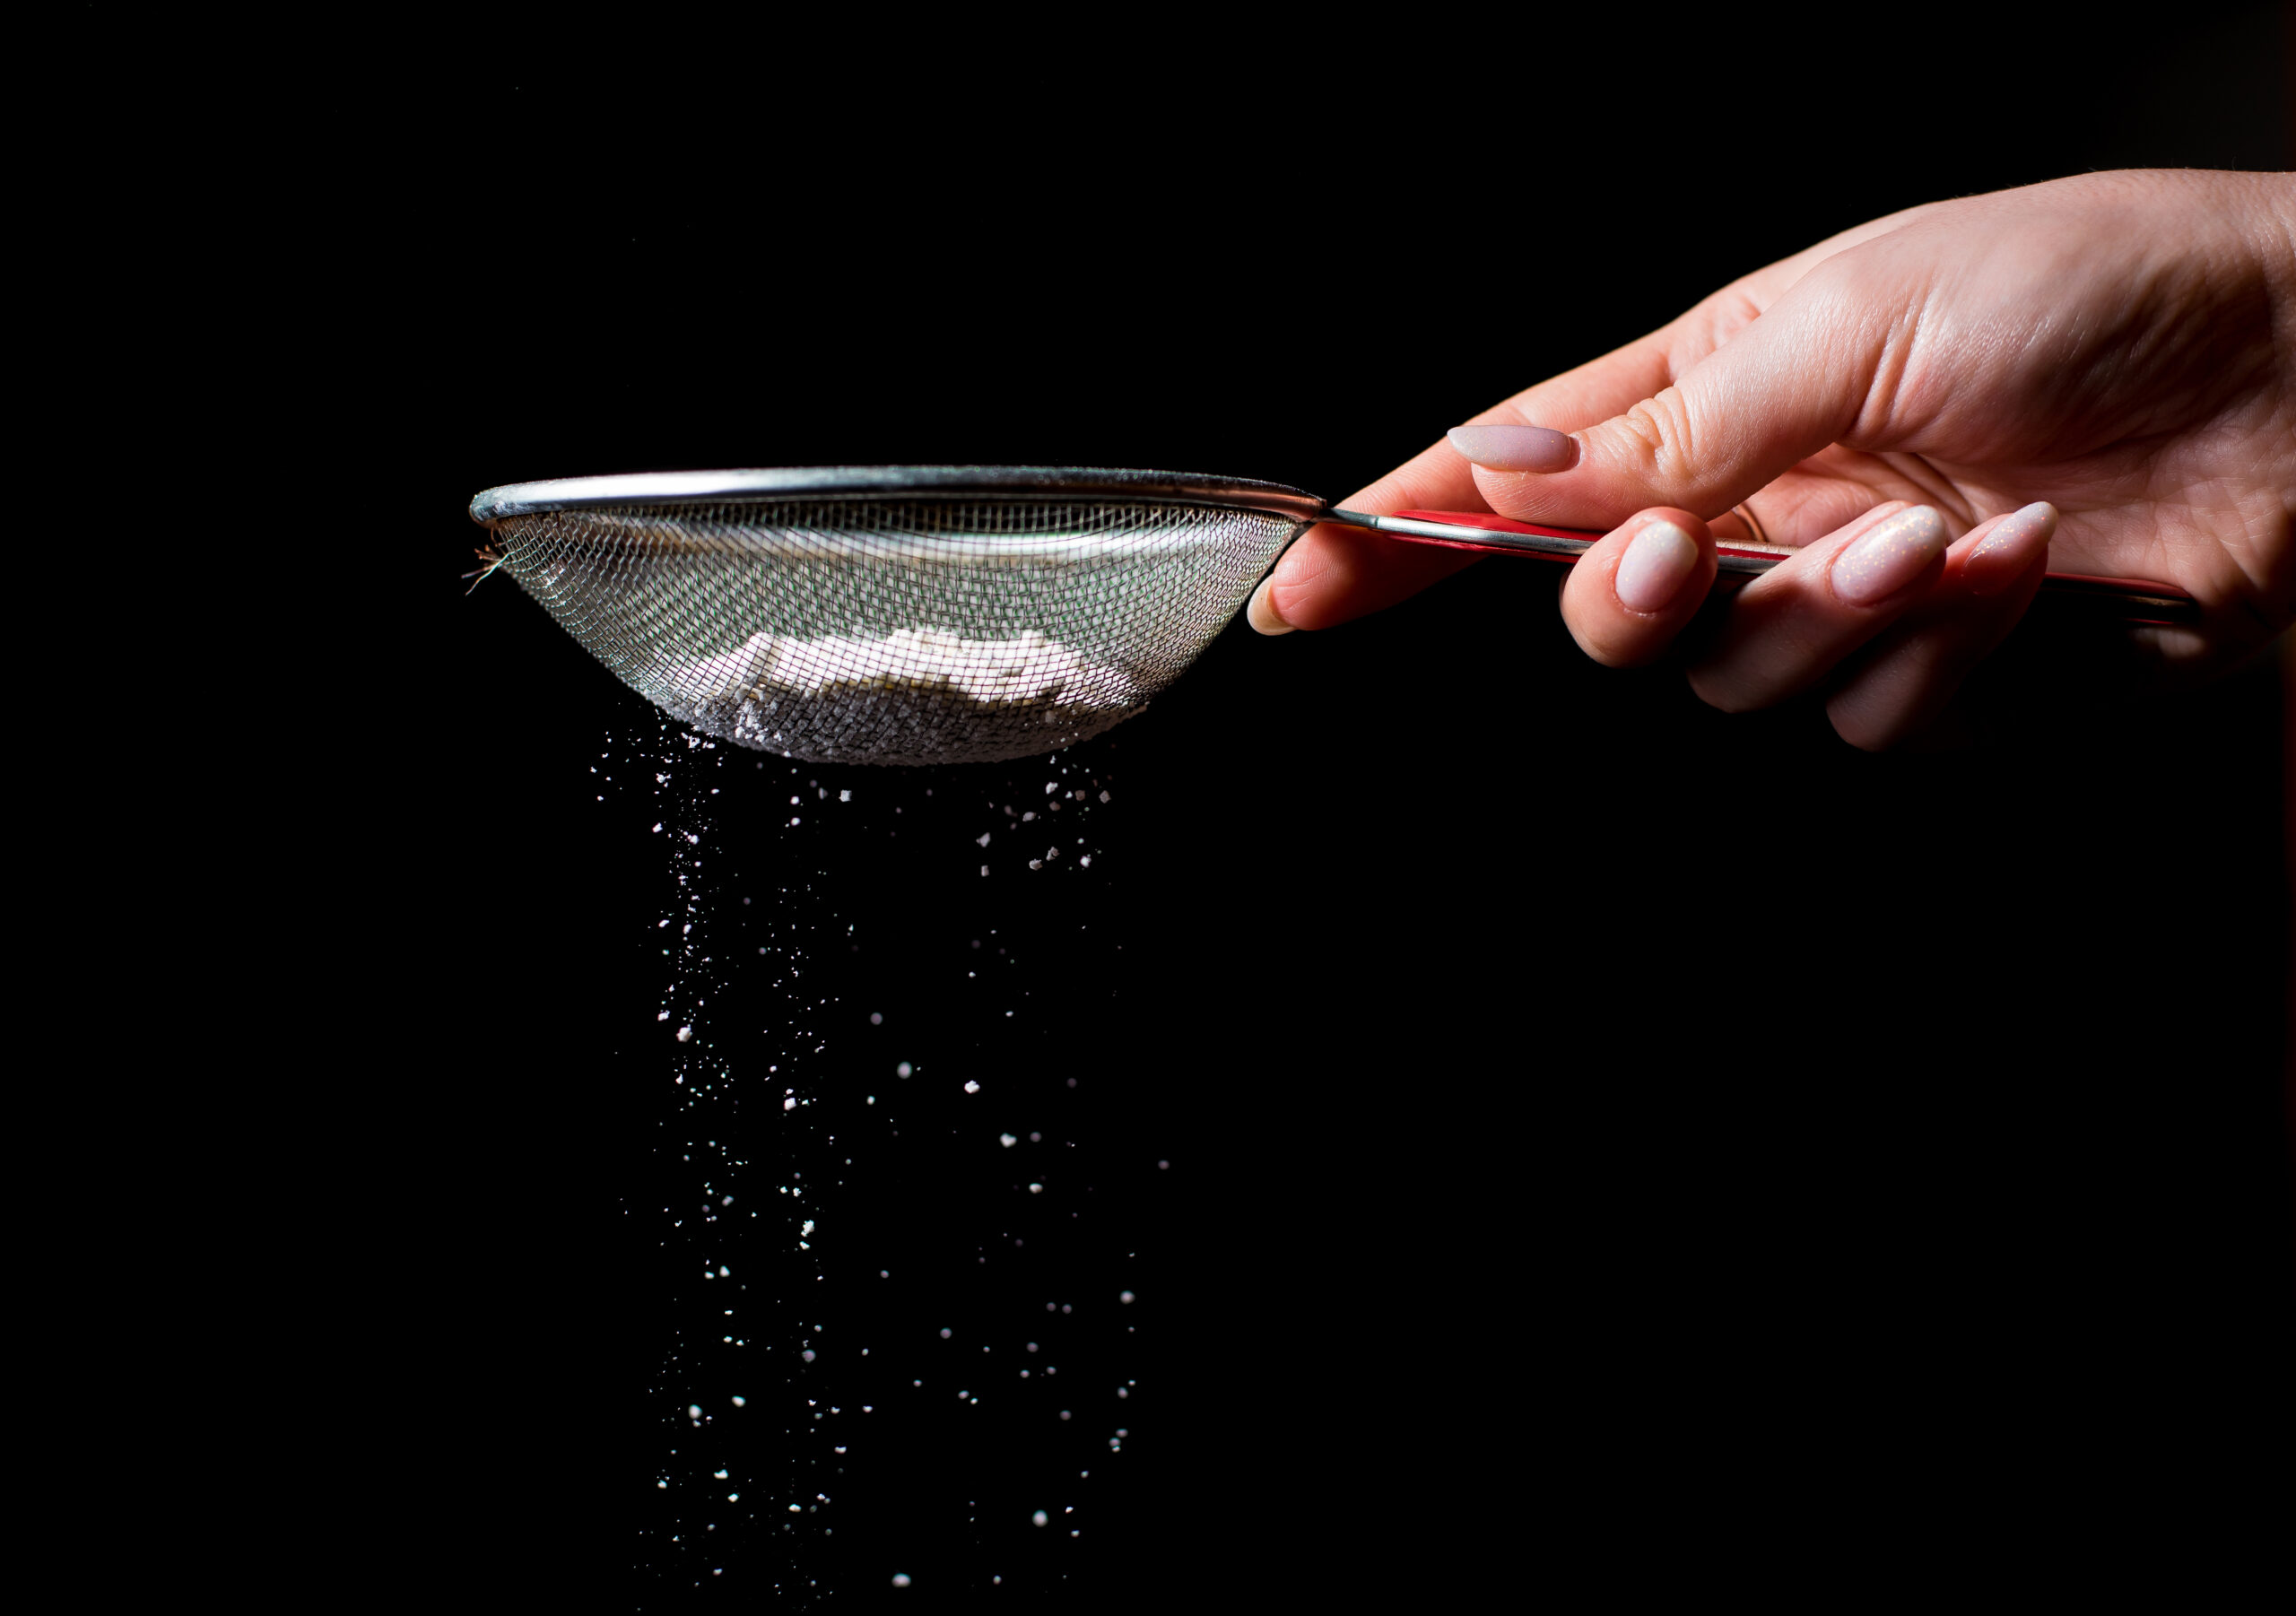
column 2001, row 556
column 1659, row 560
column 1261, row 611
column 1889, row 555
column 1516, row 449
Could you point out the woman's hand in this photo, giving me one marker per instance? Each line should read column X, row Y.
column 2097, row 374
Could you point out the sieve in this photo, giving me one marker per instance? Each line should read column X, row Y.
column 952, row 614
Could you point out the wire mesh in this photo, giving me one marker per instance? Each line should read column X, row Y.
column 888, row 631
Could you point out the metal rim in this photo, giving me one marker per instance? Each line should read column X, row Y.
column 888, row 482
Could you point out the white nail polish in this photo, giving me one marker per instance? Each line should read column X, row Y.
column 1658, row 562
column 2003, row 555
column 1889, row 555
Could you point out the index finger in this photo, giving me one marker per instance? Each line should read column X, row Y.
column 1332, row 574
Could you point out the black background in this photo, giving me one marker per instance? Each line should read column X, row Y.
column 1608, row 1140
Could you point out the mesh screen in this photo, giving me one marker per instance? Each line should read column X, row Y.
column 896, row 630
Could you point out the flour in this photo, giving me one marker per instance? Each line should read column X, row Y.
column 914, row 696
column 1029, row 668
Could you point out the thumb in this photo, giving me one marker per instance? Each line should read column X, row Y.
column 1793, row 381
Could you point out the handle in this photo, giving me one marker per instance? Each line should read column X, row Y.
column 2131, row 600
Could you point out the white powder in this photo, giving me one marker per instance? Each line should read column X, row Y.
column 991, row 670
column 917, row 695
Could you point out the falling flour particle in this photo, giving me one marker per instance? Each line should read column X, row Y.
column 972, row 1086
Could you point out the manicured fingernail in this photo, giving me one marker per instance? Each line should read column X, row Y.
column 1659, row 560
column 2001, row 556
column 1516, row 449
column 1889, row 555
column 1261, row 611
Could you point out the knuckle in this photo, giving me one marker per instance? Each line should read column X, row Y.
column 1657, row 433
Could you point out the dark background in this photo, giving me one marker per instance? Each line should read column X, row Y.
column 1608, row 1140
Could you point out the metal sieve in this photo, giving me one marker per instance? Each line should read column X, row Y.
column 926, row 614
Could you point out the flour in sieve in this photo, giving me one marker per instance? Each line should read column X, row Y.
column 914, row 696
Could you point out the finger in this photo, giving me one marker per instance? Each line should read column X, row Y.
column 1628, row 595
column 1513, row 484
column 1603, row 388
column 1909, row 673
column 1793, row 625
column 1332, row 574
column 1822, row 495
column 1789, row 384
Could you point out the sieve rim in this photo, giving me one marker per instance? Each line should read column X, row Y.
column 767, row 483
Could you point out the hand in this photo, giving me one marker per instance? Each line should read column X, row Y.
column 2096, row 375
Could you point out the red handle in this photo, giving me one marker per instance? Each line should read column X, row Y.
column 2130, row 599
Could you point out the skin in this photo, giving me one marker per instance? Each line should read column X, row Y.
column 2113, row 355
